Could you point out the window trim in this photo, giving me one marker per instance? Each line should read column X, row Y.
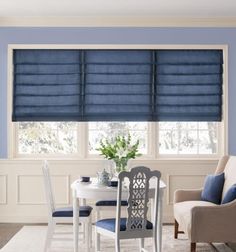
column 152, row 127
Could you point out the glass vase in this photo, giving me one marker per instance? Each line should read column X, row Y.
column 121, row 165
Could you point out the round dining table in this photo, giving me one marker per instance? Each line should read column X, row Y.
column 81, row 191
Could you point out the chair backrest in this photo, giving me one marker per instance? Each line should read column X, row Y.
column 230, row 174
column 138, row 198
column 48, row 187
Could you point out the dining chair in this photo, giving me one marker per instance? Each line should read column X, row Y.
column 63, row 215
column 107, row 206
column 136, row 225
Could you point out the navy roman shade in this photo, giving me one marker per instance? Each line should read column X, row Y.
column 47, row 85
column 188, row 85
column 117, row 85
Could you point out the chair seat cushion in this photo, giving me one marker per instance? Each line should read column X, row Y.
column 109, row 224
column 84, row 211
column 183, row 213
column 110, row 203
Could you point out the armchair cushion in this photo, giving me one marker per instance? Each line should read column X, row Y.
column 183, row 213
column 230, row 195
column 213, row 187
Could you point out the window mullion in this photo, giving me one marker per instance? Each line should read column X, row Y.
column 220, row 139
column 156, row 139
column 198, row 139
column 82, row 139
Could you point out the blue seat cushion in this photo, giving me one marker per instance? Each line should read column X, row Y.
column 230, row 195
column 84, row 211
column 109, row 224
column 110, row 203
column 213, row 188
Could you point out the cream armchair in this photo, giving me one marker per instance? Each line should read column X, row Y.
column 204, row 221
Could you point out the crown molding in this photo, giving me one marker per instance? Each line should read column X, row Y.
column 98, row 21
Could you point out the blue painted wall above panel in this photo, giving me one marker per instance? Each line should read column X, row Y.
column 116, row 36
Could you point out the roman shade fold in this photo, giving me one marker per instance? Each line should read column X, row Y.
column 47, row 85
column 188, row 85
column 117, row 85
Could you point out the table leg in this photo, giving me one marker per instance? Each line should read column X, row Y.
column 75, row 220
column 159, row 221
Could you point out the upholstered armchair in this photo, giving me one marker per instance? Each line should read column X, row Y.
column 204, row 221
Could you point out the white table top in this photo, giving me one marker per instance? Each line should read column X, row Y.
column 99, row 192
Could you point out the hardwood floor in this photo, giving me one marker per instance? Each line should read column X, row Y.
column 7, row 231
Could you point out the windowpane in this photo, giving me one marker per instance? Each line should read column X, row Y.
column 208, row 142
column 47, row 137
column 102, row 130
column 187, row 138
column 168, row 141
column 187, row 142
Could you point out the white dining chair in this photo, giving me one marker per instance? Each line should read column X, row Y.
column 107, row 206
column 63, row 215
column 136, row 225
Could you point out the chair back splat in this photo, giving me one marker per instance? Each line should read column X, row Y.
column 138, row 185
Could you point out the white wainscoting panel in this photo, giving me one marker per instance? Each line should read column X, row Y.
column 3, row 189
column 30, row 189
column 22, row 196
column 175, row 182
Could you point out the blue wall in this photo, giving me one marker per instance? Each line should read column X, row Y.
column 117, row 36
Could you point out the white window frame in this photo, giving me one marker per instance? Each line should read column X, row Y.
column 152, row 148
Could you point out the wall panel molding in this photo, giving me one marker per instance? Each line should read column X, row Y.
column 182, row 179
column 38, row 194
column 3, row 189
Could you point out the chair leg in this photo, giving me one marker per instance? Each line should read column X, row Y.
column 193, row 246
column 83, row 230
column 90, row 233
column 141, row 244
column 155, row 248
column 87, row 239
column 176, row 229
column 49, row 236
column 117, row 245
column 97, row 241
column 97, row 214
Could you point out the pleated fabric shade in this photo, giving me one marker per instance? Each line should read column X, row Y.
column 117, row 85
column 188, row 85
column 47, row 85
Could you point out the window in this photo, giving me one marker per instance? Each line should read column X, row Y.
column 47, row 138
column 157, row 140
column 101, row 130
column 188, row 138
column 183, row 139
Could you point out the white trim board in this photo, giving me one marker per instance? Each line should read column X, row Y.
column 101, row 21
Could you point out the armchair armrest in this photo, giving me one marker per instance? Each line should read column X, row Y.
column 186, row 195
column 214, row 223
